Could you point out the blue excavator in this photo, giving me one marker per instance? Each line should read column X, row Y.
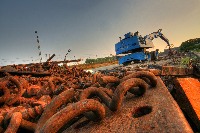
column 133, row 47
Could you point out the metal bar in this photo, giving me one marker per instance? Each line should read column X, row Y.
column 188, row 97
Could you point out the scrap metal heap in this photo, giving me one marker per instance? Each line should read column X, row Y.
column 72, row 100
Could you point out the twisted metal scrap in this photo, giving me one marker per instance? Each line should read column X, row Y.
column 11, row 112
column 68, row 113
column 31, row 113
column 12, row 100
column 29, row 105
column 142, row 74
column 29, row 101
column 51, row 108
column 6, row 92
column 47, row 121
column 108, row 79
column 51, row 85
column 114, row 103
column 28, row 125
column 125, row 86
column 109, row 82
column 27, row 113
column 33, row 90
column 17, row 121
column 14, row 123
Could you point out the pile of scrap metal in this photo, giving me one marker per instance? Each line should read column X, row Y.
column 24, row 98
column 72, row 100
column 185, row 59
column 35, row 69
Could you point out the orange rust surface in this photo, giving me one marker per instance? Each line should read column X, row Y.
column 188, row 95
column 173, row 70
column 191, row 87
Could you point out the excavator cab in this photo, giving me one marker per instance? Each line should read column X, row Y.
column 133, row 47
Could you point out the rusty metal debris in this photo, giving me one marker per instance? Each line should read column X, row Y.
column 40, row 100
column 173, row 70
column 55, row 123
column 187, row 95
column 155, row 111
column 48, row 98
column 15, row 122
column 114, row 102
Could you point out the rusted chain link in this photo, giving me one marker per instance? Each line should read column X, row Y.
column 47, row 104
column 142, row 74
column 68, row 113
column 51, row 108
column 15, row 97
column 30, row 126
column 14, row 123
column 6, row 93
column 114, row 103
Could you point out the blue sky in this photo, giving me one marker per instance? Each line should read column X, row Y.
column 89, row 27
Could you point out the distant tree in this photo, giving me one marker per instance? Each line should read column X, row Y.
column 100, row 60
column 192, row 44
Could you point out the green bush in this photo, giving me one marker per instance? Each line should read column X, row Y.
column 185, row 61
column 100, row 60
column 191, row 45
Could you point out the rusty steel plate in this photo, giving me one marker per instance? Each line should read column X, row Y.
column 173, row 70
column 155, row 111
column 188, row 97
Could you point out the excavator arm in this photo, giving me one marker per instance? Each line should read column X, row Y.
column 156, row 35
column 163, row 37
